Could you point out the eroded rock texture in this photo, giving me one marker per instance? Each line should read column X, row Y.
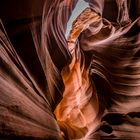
column 83, row 87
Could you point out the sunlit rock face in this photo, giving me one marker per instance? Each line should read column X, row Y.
column 83, row 84
column 77, row 113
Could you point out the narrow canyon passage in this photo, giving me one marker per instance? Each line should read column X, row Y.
column 70, row 69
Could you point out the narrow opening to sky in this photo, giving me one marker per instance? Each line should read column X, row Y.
column 81, row 5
